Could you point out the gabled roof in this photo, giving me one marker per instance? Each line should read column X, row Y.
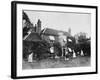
column 33, row 37
column 49, row 31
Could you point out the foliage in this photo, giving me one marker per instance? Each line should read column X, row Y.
column 26, row 24
column 81, row 37
column 39, row 48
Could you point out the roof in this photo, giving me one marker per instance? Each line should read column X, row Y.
column 49, row 31
column 33, row 37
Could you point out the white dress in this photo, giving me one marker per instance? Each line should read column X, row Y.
column 52, row 49
column 30, row 58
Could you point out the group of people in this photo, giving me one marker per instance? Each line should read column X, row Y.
column 67, row 48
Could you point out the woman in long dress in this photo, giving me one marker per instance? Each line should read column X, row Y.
column 30, row 57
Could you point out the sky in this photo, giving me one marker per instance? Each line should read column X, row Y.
column 78, row 22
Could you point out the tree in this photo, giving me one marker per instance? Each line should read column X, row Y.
column 26, row 24
column 25, row 17
column 81, row 37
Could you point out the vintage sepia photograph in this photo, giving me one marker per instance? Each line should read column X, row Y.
column 53, row 39
column 56, row 39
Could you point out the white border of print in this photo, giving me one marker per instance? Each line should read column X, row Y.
column 35, row 72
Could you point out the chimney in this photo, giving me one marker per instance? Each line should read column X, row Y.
column 69, row 31
column 39, row 26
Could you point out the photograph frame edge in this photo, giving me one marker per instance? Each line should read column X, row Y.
column 14, row 39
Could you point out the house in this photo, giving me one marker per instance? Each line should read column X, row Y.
column 49, row 34
column 57, row 39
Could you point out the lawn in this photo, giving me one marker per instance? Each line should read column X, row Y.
column 57, row 63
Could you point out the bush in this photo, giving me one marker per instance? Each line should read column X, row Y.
column 39, row 48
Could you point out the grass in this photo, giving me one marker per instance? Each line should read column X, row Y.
column 57, row 63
